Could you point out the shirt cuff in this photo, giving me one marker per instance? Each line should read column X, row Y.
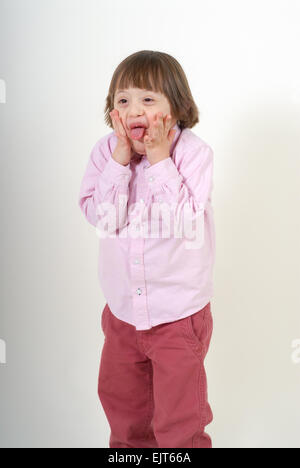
column 116, row 172
column 161, row 173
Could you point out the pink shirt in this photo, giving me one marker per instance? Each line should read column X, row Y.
column 155, row 227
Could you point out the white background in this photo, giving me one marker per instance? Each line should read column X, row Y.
column 57, row 58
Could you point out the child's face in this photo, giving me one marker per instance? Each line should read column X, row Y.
column 141, row 105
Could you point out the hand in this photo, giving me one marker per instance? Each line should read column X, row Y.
column 123, row 151
column 159, row 138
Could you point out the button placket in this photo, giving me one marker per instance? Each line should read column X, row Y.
column 138, row 282
column 137, row 271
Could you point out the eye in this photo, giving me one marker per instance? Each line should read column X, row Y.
column 126, row 100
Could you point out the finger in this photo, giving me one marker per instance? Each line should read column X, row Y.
column 165, row 123
column 171, row 135
column 118, row 124
column 160, row 119
column 148, row 136
column 165, row 126
column 149, row 132
column 119, row 120
column 169, row 121
column 157, row 124
column 112, row 120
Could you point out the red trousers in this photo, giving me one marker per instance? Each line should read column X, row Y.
column 152, row 383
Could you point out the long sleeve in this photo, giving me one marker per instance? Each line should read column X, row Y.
column 104, row 191
column 189, row 196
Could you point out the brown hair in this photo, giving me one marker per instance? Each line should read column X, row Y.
column 158, row 72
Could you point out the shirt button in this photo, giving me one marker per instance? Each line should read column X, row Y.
column 151, row 179
column 139, row 291
column 136, row 260
column 142, row 200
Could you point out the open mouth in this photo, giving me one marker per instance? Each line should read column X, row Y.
column 137, row 133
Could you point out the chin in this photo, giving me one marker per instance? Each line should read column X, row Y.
column 138, row 143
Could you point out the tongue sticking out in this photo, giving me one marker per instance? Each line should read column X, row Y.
column 137, row 133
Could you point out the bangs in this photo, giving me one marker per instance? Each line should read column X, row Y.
column 145, row 75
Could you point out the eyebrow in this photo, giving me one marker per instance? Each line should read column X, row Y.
column 124, row 90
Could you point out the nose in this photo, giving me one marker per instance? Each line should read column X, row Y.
column 135, row 110
column 135, row 114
